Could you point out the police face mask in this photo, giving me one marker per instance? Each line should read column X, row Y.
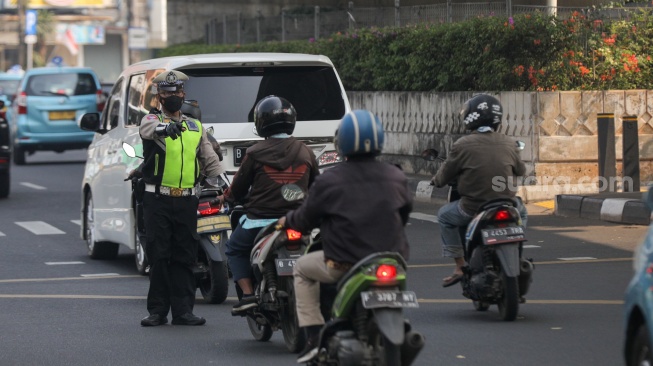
column 172, row 103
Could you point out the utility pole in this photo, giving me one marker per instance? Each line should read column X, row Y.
column 21, row 5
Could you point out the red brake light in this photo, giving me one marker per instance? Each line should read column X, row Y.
column 205, row 209
column 21, row 102
column 386, row 272
column 100, row 100
column 502, row 215
column 293, row 234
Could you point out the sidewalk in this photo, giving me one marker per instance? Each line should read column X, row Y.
column 619, row 207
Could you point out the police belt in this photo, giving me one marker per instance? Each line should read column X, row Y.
column 170, row 191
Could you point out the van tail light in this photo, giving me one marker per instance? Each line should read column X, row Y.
column 386, row 272
column 205, row 209
column 21, row 102
column 100, row 100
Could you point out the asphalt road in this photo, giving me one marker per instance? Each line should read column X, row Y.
column 61, row 308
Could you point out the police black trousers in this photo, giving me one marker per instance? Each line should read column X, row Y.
column 171, row 248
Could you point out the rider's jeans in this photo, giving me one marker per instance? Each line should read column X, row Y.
column 452, row 216
column 310, row 270
column 239, row 247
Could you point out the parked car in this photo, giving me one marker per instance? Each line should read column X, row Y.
column 5, row 153
column 8, row 84
column 638, row 314
column 227, row 86
column 48, row 102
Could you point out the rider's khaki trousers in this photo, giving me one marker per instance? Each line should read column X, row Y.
column 309, row 271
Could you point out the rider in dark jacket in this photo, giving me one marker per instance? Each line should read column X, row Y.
column 361, row 207
column 273, row 178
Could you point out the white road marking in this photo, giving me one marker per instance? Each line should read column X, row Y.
column 39, row 227
column 2, row 234
column 532, row 246
column 423, row 216
column 100, row 275
column 32, row 185
column 63, row 263
column 77, row 222
column 576, row 258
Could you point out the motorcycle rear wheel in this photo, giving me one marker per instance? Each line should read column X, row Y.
column 215, row 288
column 389, row 353
column 509, row 302
column 261, row 332
column 481, row 305
column 292, row 334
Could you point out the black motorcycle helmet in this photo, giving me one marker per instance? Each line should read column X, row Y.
column 482, row 110
column 274, row 115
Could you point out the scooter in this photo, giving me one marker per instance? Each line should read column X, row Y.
column 273, row 257
column 366, row 323
column 495, row 271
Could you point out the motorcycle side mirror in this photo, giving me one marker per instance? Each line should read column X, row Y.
column 521, row 145
column 130, row 151
column 209, row 131
column 430, row 154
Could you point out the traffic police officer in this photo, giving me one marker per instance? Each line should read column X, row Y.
column 175, row 148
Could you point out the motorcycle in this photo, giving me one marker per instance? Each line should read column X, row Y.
column 495, row 271
column 366, row 324
column 211, row 270
column 272, row 258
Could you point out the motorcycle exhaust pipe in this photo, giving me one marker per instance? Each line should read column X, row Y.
column 525, row 278
column 413, row 344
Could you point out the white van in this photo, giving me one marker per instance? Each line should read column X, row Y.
column 227, row 86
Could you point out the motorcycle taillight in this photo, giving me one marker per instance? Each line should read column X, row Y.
column 293, row 235
column 386, row 272
column 205, row 209
column 502, row 215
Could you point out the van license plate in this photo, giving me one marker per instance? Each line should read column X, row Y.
column 239, row 154
column 389, row 299
column 504, row 235
column 285, row 266
column 61, row 115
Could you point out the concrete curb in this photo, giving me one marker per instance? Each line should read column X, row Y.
column 624, row 208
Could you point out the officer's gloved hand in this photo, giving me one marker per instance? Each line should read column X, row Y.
column 173, row 129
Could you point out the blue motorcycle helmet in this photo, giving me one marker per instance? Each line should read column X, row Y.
column 360, row 133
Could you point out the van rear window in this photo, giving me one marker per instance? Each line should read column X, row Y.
column 61, row 84
column 228, row 95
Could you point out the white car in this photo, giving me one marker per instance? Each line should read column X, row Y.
column 227, row 86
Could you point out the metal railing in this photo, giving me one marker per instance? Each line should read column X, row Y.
column 234, row 29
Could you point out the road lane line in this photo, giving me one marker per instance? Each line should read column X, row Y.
column 39, row 227
column 62, row 263
column 32, row 185
column 77, row 222
column 100, row 275
column 576, row 258
column 423, row 216
column 2, row 234
column 529, row 301
column 536, row 263
column 17, row 280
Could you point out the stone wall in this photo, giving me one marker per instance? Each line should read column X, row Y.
column 559, row 129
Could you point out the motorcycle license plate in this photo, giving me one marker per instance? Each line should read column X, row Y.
column 213, row 223
column 504, row 235
column 285, row 266
column 389, row 299
column 239, row 154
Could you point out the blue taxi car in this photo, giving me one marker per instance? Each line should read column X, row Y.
column 638, row 310
column 48, row 103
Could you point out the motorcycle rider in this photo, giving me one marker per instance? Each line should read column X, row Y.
column 361, row 207
column 476, row 162
column 274, row 177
